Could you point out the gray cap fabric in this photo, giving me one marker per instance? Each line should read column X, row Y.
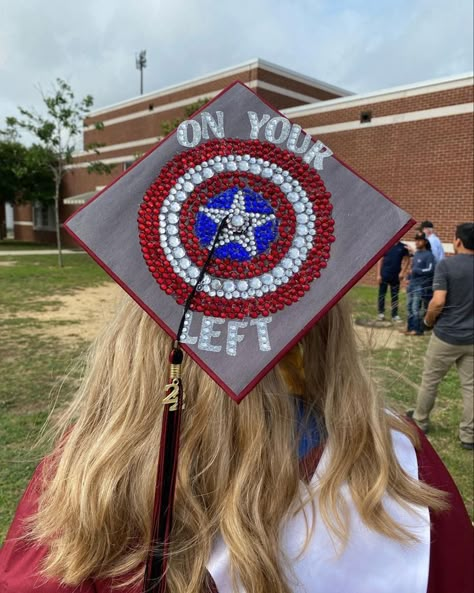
column 299, row 228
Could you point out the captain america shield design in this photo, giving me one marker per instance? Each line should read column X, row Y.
column 274, row 243
column 238, row 232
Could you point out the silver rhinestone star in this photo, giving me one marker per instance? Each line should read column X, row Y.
column 240, row 225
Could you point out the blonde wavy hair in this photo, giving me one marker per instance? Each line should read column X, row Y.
column 238, row 468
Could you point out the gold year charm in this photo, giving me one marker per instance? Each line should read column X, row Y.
column 172, row 398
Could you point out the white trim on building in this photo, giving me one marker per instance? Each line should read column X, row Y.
column 121, row 146
column 391, row 94
column 79, row 198
column 108, row 161
column 399, row 118
column 158, row 109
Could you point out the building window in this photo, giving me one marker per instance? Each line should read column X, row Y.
column 43, row 216
column 365, row 117
column 126, row 165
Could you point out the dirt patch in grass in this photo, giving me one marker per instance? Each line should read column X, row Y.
column 81, row 314
column 84, row 312
column 371, row 338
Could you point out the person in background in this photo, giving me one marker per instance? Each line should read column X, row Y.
column 436, row 246
column 391, row 270
column 419, row 291
column 451, row 313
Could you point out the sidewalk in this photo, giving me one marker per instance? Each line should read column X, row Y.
column 39, row 252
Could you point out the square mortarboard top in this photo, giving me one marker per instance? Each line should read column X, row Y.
column 298, row 228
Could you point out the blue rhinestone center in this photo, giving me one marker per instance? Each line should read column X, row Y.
column 251, row 225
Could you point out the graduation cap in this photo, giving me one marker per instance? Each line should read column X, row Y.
column 236, row 233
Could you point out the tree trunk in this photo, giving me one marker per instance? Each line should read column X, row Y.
column 58, row 226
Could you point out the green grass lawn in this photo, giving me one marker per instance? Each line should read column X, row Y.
column 397, row 372
column 32, row 362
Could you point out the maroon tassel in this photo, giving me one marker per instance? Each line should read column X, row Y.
column 155, row 573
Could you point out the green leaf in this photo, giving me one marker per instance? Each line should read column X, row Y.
column 29, row 174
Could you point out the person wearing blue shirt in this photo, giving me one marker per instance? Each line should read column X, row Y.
column 420, row 291
column 436, row 246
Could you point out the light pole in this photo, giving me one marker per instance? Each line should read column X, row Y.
column 140, row 62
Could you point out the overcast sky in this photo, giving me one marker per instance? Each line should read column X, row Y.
column 360, row 45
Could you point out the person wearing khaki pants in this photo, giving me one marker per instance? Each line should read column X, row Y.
column 451, row 315
column 440, row 356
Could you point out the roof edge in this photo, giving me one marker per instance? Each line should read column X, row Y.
column 253, row 63
column 325, row 86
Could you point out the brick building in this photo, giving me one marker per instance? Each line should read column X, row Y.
column 415, row 142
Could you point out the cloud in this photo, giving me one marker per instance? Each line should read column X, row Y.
column 421, row 43
column 358, row 45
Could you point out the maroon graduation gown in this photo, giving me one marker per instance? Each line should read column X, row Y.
column 451, row 552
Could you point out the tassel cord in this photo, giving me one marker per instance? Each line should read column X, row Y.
column 196, row 287
column 157, row 562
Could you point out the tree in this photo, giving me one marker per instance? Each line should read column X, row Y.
column 56, row 132
column 38, row 183
column 25, row 172
column 12, row 156
column 169, row 125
